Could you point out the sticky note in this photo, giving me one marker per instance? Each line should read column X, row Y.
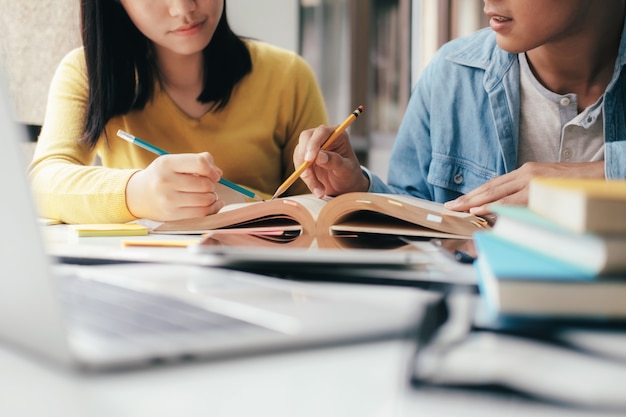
column 108, row 229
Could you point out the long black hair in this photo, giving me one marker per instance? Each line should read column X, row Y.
column 121, row 68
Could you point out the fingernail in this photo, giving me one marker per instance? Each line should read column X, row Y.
column 309, row 156
column 317, row 192
column 322, row 158
column 451, row 204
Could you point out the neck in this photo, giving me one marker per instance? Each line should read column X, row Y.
column 180, row 71
column 182, row 78
column 581, row 63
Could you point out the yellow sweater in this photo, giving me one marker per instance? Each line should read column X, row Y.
column 252, row 139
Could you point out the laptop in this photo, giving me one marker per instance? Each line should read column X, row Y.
column 118, row 316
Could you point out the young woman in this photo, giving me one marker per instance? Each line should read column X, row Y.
column 540, row 93
column 172, row 73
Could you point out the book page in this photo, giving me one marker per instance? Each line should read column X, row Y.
column 312, row 203
column 411, row 216
column 301, row 210
column 432, row 206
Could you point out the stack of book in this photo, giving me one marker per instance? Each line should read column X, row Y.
column 563, row 256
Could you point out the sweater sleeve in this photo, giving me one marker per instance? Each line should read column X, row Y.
column 66, row 184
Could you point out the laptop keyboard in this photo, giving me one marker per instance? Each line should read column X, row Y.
column 114, row 311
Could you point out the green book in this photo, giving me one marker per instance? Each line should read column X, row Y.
column 594, row 252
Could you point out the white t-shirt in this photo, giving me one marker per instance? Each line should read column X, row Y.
column 551, row 129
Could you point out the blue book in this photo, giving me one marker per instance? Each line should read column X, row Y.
column 517, row 281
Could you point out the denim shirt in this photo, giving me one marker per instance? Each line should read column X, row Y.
column 461, row 127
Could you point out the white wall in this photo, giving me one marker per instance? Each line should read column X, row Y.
column 273, row 21
column 34, row 36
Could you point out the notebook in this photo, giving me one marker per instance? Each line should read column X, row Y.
column 105, row 317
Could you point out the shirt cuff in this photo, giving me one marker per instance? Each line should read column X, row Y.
column 376, row 184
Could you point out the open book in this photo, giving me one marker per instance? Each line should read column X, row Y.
column 337, row 222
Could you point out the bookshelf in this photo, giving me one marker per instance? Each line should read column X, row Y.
column 371, row 52
column 359, row 51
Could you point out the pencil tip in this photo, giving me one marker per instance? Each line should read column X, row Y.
column 276, row 194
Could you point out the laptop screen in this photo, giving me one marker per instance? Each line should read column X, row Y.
column 29, row 312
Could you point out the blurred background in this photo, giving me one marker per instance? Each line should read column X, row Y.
column 368, row 52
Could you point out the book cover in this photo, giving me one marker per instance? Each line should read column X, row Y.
column 596, row 253
column 337, row 221
column 581, row 205
column 514, row 280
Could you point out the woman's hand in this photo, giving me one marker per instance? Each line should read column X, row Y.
column 335, row 170
column 512, row 188
column 175, row 187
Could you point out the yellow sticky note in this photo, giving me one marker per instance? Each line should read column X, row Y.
column 109, row 229
column 161, row 243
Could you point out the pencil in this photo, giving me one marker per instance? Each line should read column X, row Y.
column 158, row 151
column 333, row 136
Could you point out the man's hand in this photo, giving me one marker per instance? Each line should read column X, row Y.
column 512, row 188
column 334, row 171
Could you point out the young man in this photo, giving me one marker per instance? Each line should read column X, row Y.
column 539, row 93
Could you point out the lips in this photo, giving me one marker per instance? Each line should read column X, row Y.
column 191, row 27
column 187, row 27
column 498, row 22
column 495, row 15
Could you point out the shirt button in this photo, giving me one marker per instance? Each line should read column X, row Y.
column 565, row 101
column 458, row 178
column 567, row 153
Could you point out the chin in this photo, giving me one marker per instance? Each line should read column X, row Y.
column 189, row 49
column 509, row 45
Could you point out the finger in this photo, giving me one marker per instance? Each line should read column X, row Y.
column 338, row 164
column 197, row 200
column 481, row 210
column 179, row 205
column 519, row 197
column 485, row 210
column 190, row 212
column 192, row 183
column 486, row 193
column 206, row 167
column 200, row 164
column 324, row 159
column 300, row 149
column 311, row 180
column 316, row 140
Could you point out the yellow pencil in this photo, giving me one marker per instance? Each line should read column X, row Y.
column 333, row 136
